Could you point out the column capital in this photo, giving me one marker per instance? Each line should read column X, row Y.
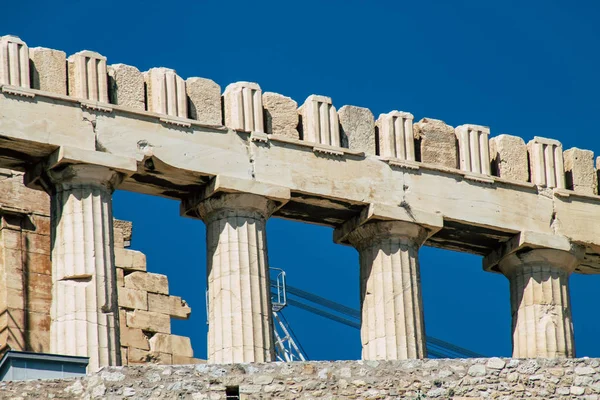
column 532, row 248
column 225, row 193
column 379, row 221
column 69, row 166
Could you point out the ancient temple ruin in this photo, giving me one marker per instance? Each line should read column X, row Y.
column 73, row 129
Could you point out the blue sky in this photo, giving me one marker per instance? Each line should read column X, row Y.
column 522, row 68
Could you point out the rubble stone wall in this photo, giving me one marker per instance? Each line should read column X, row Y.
column 492, row 378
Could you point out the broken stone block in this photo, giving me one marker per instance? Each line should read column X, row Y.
column 357, row 129
column 437, row 143
column 48, row 70
column 173, row 344
column 161, row 342
column 243, row 107
column 131, row 337
column 125, row 227
column 546, row 162
column 149, row 321
column 204, row 100
column 508, row 157
column 126, row 86
column 171, row 305
column 396, row 138
column 132, row 298
column 320, row 121
column 14, row 61
column 147, row 281
column 137, row 356
column 166, row 92
column 182, row 346
column 580, row 174
column 130, row 260
column 474, row 148
column 281, row 115
column 87, row 76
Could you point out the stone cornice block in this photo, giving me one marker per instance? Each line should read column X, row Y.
column 383, row 212
column 528, row 240
column 222, row 184
column 14, row 61
column 87, row 76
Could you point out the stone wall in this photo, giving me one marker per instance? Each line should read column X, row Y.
column 492, row 378
column 146, row 308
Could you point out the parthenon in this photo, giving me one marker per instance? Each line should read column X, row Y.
column 77, row 128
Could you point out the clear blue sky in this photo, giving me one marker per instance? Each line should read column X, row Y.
column 524, row 68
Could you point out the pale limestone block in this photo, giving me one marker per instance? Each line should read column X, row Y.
column 396, row 137
column 437, row 142
column 147, row 281
column 508, row 157
column 132, row 298
column 130, row 260
column 182, row 346
column 183, row 360
column 546, row 162
column 281, row 115
column 14, row 62
column 474, row 148
column 242, row 102
column 87, row 76
column 137, row 356
column 48, row 70
column 149, row 321
column 540, row 305
column 166, row 92
column 156, row 357
column 126, row 228
column 320, row 122
column 118, row 240
column 580, row 174
column 173, row 344
column 126, row 86
column 204, row 100
column 161, row 342
column 238, row 283
column 131, row 337
column 357, row 129
column 124, row 356
column 120, row 277
column 392, row 325
column 171, row 305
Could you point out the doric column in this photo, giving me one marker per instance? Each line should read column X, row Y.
column 538, row 268
column 392, row 326
column 239, row 301
column 84, row 311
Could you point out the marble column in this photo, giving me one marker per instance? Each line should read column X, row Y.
column 239, row 302
column 540, row 304
column 84, row 311
column 392, row 325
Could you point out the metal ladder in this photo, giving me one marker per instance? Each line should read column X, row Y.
column 286, row 348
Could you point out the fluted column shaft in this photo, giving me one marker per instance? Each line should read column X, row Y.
column 84, row 312
column 540, row 302
column 392, row 325
column 239, row 302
